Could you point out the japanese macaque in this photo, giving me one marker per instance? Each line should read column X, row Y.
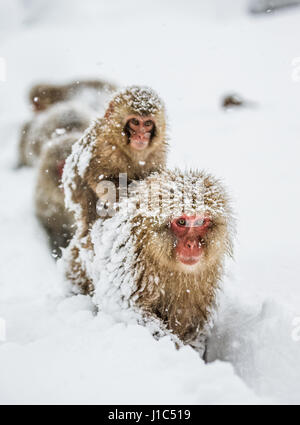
column 61, row 109
column 42, row 96
column 160, row 258
column 60, row 119
column 130, row 138
column 49, row 195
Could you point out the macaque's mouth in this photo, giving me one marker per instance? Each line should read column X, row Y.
column 139, row 144
column 189, row 261
column 190, row 249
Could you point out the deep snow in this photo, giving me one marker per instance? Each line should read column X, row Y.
column 56, row 350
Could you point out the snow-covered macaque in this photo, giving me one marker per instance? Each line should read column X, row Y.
column 160, row 259
column 73, row 110
column 49, row 194
column 129, row 139
column 42, row 96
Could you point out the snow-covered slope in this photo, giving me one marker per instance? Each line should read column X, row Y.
column 56, row 350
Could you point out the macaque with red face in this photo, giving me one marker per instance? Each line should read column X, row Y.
column 162, row 258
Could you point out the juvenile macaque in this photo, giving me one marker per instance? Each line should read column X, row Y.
column 42, row 96
column 49, row 194
column 161, row 256
column 130, row 138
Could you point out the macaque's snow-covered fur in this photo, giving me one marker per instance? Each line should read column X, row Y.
column 132, row 270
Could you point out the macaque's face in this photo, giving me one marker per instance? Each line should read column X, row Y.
column 140, row 131
column 190, row 233
column 185, row 243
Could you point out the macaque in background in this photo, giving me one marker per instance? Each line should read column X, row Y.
column 160, row 259
column 42, row 96
column 58, row 120
column 72, row 110
column 49, row 195
column 130, row 138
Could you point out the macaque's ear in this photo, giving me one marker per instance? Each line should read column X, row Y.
column 43, row 96
column 35, row 97
column 37, row 104
column 109, row 110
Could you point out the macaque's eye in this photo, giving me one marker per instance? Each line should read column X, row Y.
column 181, row 222
column 148, row 123
column 134, row 121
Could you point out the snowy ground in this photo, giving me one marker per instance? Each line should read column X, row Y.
column 192, row 53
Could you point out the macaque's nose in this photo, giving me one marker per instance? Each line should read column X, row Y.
column 191, row 244
column 142, row 136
